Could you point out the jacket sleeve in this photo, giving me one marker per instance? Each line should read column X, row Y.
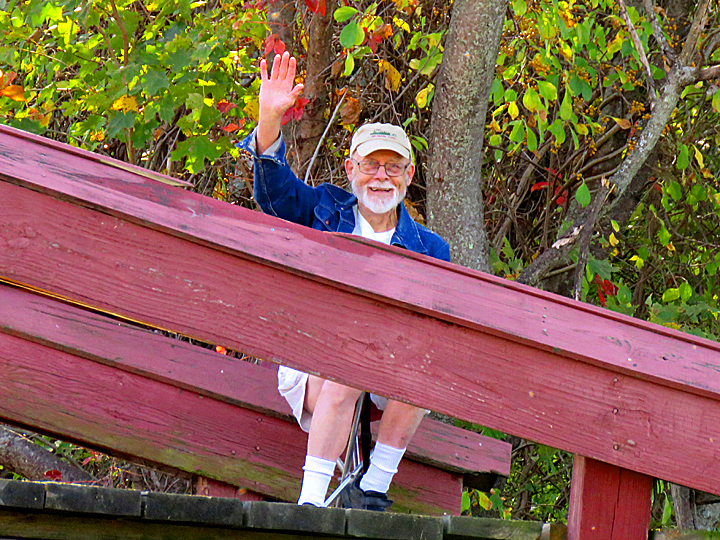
column 276, row 188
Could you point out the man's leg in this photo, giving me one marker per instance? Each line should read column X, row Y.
column 399, row 423
column 332, row 406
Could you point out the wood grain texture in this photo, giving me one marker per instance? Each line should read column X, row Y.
column 614, row 415
column 607, row 502
column 96, row 337
column 121, row 412
column 388, row 274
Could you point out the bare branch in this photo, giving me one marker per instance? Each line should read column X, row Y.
column 322, row 137
column 691, row 43
column 641, row 51
column 123, row 31
column 709, row 73
column 658, row 33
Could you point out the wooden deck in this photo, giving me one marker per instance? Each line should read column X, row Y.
column 632, row 399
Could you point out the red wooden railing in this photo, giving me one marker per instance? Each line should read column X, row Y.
column 637, row 400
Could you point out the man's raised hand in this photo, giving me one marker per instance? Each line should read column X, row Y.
column 278, row 92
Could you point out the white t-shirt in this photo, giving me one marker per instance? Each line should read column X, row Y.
column 364, row 229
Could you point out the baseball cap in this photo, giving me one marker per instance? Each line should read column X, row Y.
column 372, row 137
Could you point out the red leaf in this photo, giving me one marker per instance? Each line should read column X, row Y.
column 601, row 296
column 279, row 47
column 316, row 6
column 53, row 475
column 295, row 112
column 609, row 287
column 539, row 185
column 270, row 43
column 230, row 128
column 562, row 199
column 224, row 106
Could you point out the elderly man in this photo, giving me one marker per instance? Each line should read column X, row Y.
column 379, row 169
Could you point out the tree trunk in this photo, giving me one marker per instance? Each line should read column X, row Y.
column 319, row 59
column 454, row 182
column 22, row 456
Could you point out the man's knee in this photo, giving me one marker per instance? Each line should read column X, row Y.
column 339, row 394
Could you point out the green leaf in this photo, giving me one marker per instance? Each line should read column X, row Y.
column 667, row 511
column 518, row 132
column 685, row 291
column 154, row 81
column 670, row 295
column 532, row 141
column 352, row 35
column 674, row 190
column 566, row 108
column 531, row 100
column 716, row 101
column 465, row 503
column 547, row 90
column 558, row 130
column 663, row 235
column 683, row 159
column 519, row 7
column 582, row 195
column 344, row 13
column 349, row 65
column 120, row 121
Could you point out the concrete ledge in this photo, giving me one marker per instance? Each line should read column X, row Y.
column 92, row 500
column 465, row 528
column 367, row 524
column 213, row 511
column 22, row 494
column 284, row 517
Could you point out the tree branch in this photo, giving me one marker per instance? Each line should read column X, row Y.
column 123, row 31
column 22, row 456
column 658, row 32
column 690, row 47
column 641, row 51
column 322, row 137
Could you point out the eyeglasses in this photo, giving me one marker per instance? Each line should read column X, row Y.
column 391, row 169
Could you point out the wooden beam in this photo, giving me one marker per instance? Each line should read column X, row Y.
column 205, row 372
column 608, row 503
column 483, row 349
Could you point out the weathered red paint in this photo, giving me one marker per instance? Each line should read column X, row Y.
column 567, row 374
column 608, row 503
column 202, row 371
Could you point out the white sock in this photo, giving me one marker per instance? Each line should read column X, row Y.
column 383, row 466
column 316, row 479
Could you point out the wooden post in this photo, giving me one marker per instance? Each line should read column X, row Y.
column 608, row 502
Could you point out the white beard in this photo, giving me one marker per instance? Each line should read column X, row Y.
column 375, row 204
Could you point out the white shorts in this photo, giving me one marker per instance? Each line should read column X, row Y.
column 292, row 385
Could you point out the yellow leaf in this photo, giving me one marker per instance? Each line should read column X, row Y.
column 392, row 75
column 484, row 501
column 638, row 261
column 670, row 246
column 14, row 92
column 252, row 109
column 422, row 97
column 513, row 110
column 623, row 123
column 699, row 158
column 613, row 240
column 401, row 24
column 125, row 104
column 495, row 126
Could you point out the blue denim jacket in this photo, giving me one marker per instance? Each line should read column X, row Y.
column 326, row 207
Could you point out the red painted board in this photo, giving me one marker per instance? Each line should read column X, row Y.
column 607, row 502
column 669, row 431
column 392, row 275
column 124, row 413
column 82, row 333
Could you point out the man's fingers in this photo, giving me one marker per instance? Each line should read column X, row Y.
column 263, row 70
column 284, row 63
column 275, row 67
column 296, row 91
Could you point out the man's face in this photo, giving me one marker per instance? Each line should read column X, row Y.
column 379, row 192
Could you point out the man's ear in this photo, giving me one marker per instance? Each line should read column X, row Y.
column 410, row 171
column 349, row 168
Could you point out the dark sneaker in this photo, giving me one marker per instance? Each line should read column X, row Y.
column 354, row 497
